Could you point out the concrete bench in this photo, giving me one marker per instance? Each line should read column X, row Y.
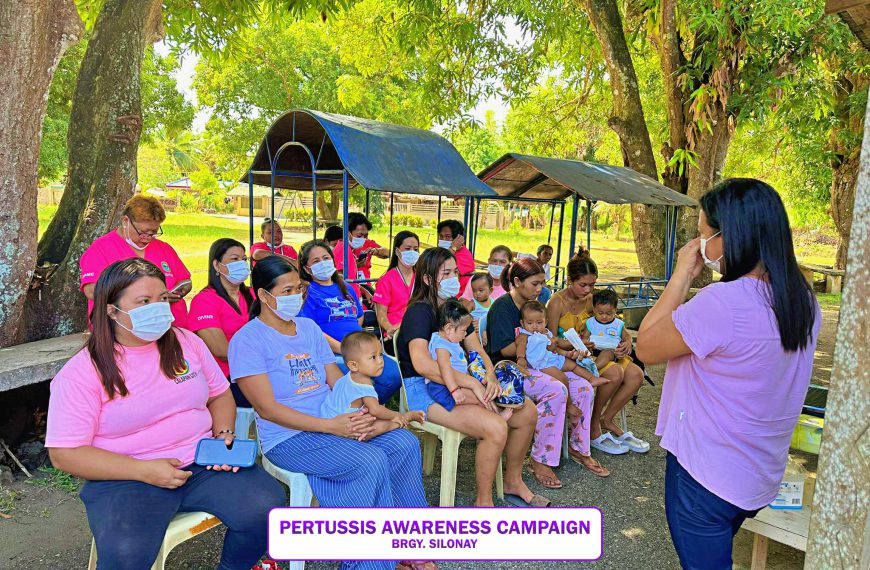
column 35, row 362
column 784, row 526
column 833, row 277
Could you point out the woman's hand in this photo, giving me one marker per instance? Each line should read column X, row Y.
column 174, row 297
column 164, row 473
column 624, row 349
column 228, row 441
column 690, row 262
column 356, row 425
column 389, row 331
column 457, row 243
column 481, row 394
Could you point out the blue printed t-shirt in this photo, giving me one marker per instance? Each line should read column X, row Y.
column 334, row 313
column 295, row 366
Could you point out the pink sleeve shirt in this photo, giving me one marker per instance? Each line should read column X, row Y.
column 728, row 409
column 208, row 310
column 465, row 263
column 160, row 417
column 283, row 249
column 393, row 293
column 353, row 271
column 111, row 247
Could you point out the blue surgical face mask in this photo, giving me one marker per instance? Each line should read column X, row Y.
column 287, row 306
column 149, row 322
column 323, row 270
column 237, row 271
column 448, row 288
column 409, row 256
column 357, row 242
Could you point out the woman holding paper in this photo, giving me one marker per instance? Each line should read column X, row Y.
column 569, row 309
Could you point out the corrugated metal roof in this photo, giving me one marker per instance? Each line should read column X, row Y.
column 379, row 156
column 554, row 178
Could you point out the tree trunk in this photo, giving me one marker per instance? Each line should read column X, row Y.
column 105, row 125
column 839, row 536
column 845, row 176
column 629, row 123
column 33, row 37
column 328, row 204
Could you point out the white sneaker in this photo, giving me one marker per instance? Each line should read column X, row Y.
column 609, row 444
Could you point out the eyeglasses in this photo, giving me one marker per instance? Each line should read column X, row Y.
column 158, row 233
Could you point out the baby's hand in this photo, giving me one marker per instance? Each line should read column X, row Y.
column 400, row 421
column 458, row 396
column 415, row 416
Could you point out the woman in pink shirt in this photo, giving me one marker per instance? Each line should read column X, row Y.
column 137, row 237
column 451, row 235
column 221, row 309
column 740, row 357
column 273, row 243
column 500, row 257
column 126, row 414
column 394, row 289
column 360, row 246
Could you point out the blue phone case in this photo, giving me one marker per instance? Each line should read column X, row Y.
column 210, row 451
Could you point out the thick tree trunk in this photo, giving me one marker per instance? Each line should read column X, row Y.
column 328, row 204
column 839, row 536
column 845, row 176
column 105, row 125
column 627, row 120
column 33, row 37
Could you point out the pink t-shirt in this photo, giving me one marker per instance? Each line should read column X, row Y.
column 353, row 271
column 283, row 249
column 497, row 290
column 209, row 311
column 160, row 417
column 392, row 292
column 728, row 409
column 111, row 247
column 465, row 263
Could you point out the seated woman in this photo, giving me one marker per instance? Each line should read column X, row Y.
column 500, row 257
column 436, row 280
column 336, row 309
column 360, row 246
column 126, row 414
column 393, row 290
column 571, row 308
column 523, row 280
column 221, row 309
column 273, row 242
column 286, row 369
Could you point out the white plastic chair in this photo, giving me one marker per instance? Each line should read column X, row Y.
column 183, row 526
column 244, row 422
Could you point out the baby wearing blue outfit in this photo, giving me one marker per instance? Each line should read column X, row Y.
column 537, row 348
column 454, row 322
column 354, row 391
column 603, row 328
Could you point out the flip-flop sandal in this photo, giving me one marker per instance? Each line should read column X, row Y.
column 609, row 444
column 536, row 501
column 596, row 468
column 635, row 444
column 541, row 480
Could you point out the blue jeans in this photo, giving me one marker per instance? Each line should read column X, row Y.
column 387, row 384
column 129, row 518
column 702, row 524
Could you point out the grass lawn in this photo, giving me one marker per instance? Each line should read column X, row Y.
column 192, row 234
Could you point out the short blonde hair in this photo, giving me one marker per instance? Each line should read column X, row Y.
column 144, row 209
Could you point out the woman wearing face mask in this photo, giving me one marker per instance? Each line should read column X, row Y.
column 500, row 257
column 137, row 237
column 451, row 236
column 436, row 280
column 393, row 290
column 126, row 414
column 740, row 357
column 337, row 310
column 221, row 309
column 284, row 366
column 359, row 246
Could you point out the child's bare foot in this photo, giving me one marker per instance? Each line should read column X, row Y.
column 505, row 413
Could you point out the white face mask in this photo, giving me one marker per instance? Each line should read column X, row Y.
column 323, row 270
column 238, row 271
column 495, row 271
column 714, row 264
column 445, row 243
column 448, row 288
column 132, row 243
column 357, row 242
column 409, row 256
column 273, row 246
column 287, row 306
column 149, row 322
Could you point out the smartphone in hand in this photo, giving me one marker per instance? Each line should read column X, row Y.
column 241, row 453
column 181, row 285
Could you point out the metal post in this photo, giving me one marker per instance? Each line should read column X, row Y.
column 368, row 202
column 588, row 225
column 251, row 211
column 391, row 218
column 469, row 227
column 439, row 209
column 314, row 206
column 573, row 237
column 559, row 243
column 272, row 216
column 552, row 216
column 344, row 198
column 476, row 226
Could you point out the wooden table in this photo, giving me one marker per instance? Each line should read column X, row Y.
column 784, row 526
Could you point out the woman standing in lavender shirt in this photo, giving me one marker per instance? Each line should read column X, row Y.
column 740, row 356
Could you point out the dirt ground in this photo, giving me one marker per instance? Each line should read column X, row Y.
column 48, row 527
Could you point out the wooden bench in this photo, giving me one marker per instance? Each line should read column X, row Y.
column 833, row 277
column 783, row 526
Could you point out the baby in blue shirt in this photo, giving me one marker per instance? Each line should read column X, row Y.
column 603, row 329
column 354, row 391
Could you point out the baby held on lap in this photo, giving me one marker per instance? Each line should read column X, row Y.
column 537, row 349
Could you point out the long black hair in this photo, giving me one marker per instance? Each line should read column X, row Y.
column 306, row 275
column 264, row 276
column 397, row 243
column 429, row 264
column 216, row 253
column 754, row 227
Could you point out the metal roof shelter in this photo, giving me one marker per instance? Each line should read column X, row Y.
column 525, row 177
column 312, row 150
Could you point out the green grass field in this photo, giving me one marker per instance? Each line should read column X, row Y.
column 192, row 234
